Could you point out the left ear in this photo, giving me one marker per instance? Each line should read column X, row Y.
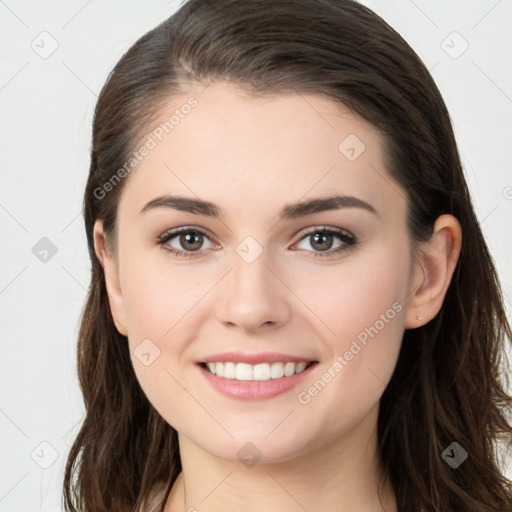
column 432, row 271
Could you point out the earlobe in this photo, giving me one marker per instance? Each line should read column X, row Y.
column 433, row 270
column 111, row 269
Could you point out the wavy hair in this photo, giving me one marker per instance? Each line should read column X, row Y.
column 448, row 384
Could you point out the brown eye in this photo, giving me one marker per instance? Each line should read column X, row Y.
column 321, row 240
column 191, row 241
column 188, row 241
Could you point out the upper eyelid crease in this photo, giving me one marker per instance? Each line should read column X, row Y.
column 289, row 212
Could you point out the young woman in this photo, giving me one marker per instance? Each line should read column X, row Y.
column 292, row 306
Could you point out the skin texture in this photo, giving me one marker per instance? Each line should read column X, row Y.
column 251, row 157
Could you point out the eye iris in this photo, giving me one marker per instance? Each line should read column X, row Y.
column 188, row 239
column 319, row 239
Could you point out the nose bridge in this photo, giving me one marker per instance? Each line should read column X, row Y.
column 252, row 295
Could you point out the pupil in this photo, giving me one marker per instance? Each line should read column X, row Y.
column 189, row 239
column 320, row 236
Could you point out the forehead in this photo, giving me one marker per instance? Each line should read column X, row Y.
column 266, row 150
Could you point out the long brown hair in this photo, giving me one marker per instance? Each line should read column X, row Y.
column 447, row 385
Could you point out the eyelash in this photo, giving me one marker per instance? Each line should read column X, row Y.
column 349, row 241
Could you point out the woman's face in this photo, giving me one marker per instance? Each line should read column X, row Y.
column 261, row 278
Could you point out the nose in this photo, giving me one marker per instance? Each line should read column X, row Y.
column 253, row 296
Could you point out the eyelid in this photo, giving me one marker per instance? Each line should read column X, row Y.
column 181, row 229
column 173, row 233
column 324, row 227
column 348, row 239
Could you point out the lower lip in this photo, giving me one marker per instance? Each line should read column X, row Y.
column 254, row 389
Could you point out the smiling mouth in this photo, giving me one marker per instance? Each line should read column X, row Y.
column 256, row 372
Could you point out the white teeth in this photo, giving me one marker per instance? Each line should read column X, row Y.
column 276, row 370
column 289, row 369
column 243, row 371
column 229, row 370
column 262, row 371
column 300, row 367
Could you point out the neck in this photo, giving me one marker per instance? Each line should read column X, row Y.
column 342, row 475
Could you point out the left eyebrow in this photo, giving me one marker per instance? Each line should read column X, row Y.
column 290, row 211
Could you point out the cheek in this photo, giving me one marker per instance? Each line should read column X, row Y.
column 157, row 305
column 364, row 291
column 156, row 293
column 363, row 306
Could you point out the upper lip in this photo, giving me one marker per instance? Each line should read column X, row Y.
column 262, row 357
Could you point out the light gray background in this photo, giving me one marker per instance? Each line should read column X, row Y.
column 47, row 103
